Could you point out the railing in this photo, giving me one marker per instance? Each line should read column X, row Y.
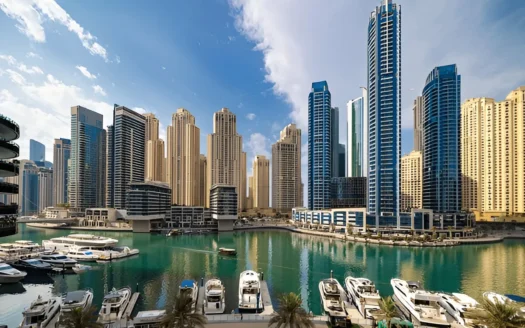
column 9, row 188
column 13, row 146
column 8, row 209
column 9, row 167
column 15, row 127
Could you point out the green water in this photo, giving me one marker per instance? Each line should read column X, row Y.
column 290, row 262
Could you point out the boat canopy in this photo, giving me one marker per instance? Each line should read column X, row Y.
column 516, row 298
column 187, row 283
column 75, row 297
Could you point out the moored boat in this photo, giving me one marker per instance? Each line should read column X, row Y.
column 250, row 298
column 33, row 265
column 42, row 313
column 457, row 305
column 81, row 254
column 78, row 239
column 498, row 298
column 149, row 319
column 364, row 294
column 227, row 251
column 114, row 305
column 115, row 253
column 332, row 301
column 214, row 298
column 10, row 275
column 58, row 260
column 77, row 299
column 190, row 287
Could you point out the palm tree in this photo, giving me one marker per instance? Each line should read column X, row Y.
column 80, row 318
column 291, row 314
column 181, row 314
column 387, row 310
column 496, row 315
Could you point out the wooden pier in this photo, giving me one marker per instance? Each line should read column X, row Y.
column 266, row 299
column 200, row 297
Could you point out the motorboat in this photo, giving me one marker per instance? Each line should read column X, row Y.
column 214, row 298
column 58, row 260
column 250, row 298
column 78, row 239
column 456, row 305
column 33, row 265
column 42, row 313
column 422, row 306
column 333, row 299
column 81, row 268
column 115, row 253
column 364, row 294
column 10, row 275
column 81, row 254
column 227, row 251
column 149, row 319
column 114, row 305
column 498, row 298
column 173, row 232
column 13, row 252
column 29, row 245
column 190, row 287
column 77, row 299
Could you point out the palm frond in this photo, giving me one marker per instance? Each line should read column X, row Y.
column 180, row 315
column 290, row 313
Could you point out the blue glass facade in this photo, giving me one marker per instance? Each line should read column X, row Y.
column 384, row 103
column 319, row 146
column 441, row 140
column 357, row 137
column 29, row 191
column 37, row 151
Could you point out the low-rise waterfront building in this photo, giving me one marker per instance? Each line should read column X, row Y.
column 194, row 217
column 223, row 206
column 103, row 218
column 348, row 192
column 55, row 213
column 147, row 205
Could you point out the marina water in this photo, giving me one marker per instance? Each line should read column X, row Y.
column 291, row 262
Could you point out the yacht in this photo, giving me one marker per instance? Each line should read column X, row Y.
column 77, row 299
column 115, row 253
column 58, row 260
column 422, row 306
column 364, row 294
column 114, row 305
column 33, row 265
column 81, row 254
column 190, row 287
column 78, row 239
column 41, row 313
column 149, row 319
column 456, row 305
column 9, row 275
column 333, row 300
column 498, row 298
column 28, row 244
column 214, row 299
column 250, row 297
column 14, row 252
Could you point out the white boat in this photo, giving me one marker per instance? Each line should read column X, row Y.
column 81, row 254
column 41, row 313
column 364, row 294
column 78, row 239
column 214, row 298
column 115, row 253
column 333, row 300
column 250, row 297
column 58, row 260
column 10, row 275
column 15, row 252
column 81, row 268
column 29, row 245
column 422, row 306
column 190, row 287
column 77, row 299
column 114, row 305
column 456, row 305
column 149, row 319
column 498, row 298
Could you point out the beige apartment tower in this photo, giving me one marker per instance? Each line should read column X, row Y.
column 286, row 170
column 154, row 160
column 492, row 156
column 225, row 155
column 261, row 182
column 61, row 156
column 249, row 199
column 412, row 181
column 183, row 161
column 203, row 164
column 418, row 123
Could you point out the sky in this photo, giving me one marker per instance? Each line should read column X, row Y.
column 256, row 57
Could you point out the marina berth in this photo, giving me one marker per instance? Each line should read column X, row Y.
column 363, row 293
column 10, row 275
column 214, row 298
column 114, row 305
column 250, row 298
column 41, row 313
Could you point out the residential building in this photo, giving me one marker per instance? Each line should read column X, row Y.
column 286, row 169
column 357, row 136
column 441, row 140
column 9, row 172
column 225, row 155
column 418, row 123
column 45, row 188
column 37, row 151
column 28, row 188
column 103, row 218
column 338, row 149
column 203, row 168
column 412, row 181
column 492, row 161
column 193, row 217
column 147, row 205
column 125, row 154
column 320, row 152
column 61, row 156
column 348, row 192
column 87, row 168
column 242, row 187
column 223, row 205
column 261, row 182
column 384, row 106
column 249, row 200
column 154, row 150
column 55, row 212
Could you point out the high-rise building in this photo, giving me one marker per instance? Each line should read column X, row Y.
column 225, row 154
column 45, row 188
column 28, row 188
column 203, row 163
column 338, row 149
column 87, row 169
column 223, row 205
column 37, row 151
column 154, row 150
column 441, row 140
column 249, row 199
column 125, row 154
column 384, row 106
column 418, row 123
column 184, row 160
column 61, row 156
column 9, row 172
column 286, row 169
column 357, row 136
column 243, row 180
column 411, row 181
column 492, row 161
column 348, row 192
column 261, row 182
column 320, row 155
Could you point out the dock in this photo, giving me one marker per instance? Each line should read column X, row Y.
column 126, row 315
column 266, row 299
column 200, row 297
column 356, row 317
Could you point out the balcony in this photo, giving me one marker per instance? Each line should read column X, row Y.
column 8, row 149
column 8, row 188
column 8, row 169
column 9, row 130
column 8, row 209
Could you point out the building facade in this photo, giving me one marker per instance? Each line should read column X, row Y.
column 147, row 205
column 45, row 188
column 418, row 123
column 412, row 181
column 261, row 182
column 37, row 151
column 203, row 170
column 61, row 156
column 154, row 150
column 223, row 205
column 349, row 192
column 28, row 188
column 338, row 150
column 192, row 217
column 320, row 152
column 9, row 173
column 357, row 136
column 441, row 140
column 384, row 104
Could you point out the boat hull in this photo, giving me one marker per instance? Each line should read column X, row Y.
column 12, row 279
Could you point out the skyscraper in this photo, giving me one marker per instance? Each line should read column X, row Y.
column 224, row 154
column 45, row 188
column 87, row 170
column 338, row 150
column 286, row 169
column 242, row 189
column 203, row 164
column 418, row 123
column 357, row 136
column 384, row 104
column 154, row 150
column 28, row 188
column 37, row 151
column 441, row 140
column 411, row 181
column 261, row 182
column 125, row 154
column 184, row 152
column 61, row 156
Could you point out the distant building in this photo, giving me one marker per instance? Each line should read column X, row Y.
column 357, row 136
column 103, row 218
column 338, row 150
column 261, row 182
column 61, row 156
column 147, row 205
column 45, row 188
column 28, row 188
column 348, row 192
column 418, row 123
column 412, row 181
column 194, row 217
column 223, row 206
column 55, row 212
column 37, row 151
column 154, row 150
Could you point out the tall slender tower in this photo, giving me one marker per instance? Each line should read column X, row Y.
column 203, row 164
column 242, row 188
column 418, row 123
column 261, row 182
column 37, row 151
column 61, row 156
column 154, row 147
column 384, row 103
column 357, row 136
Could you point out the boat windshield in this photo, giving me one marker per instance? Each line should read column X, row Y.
column 3, row 268
column 60, row 257
column 113, row 299
column 88, row 253
column 249, row 290
column 214, row 298
column 34, row 319
column 332, row 297
column 367, row 289
column 421, row 302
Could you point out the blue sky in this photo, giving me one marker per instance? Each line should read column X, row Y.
column 256, row 57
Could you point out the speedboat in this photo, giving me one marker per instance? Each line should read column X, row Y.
column 364, row 294
column 41, row 313
column 77, row 299
column 78, row 239
column 33, row 265
column 114, row 305
column 422, row 306
column 227, row 251
column 58, row 260
column 214, row 298
column 456, row 305
column 10, row 275
column 332, row 299
column 191, row 289
column 498, row 298
column 115, row 253
column 250, row 297
column 81, row 254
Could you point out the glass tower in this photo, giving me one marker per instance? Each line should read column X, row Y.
column 441, row 140
column 357, row 137
column 319, row 146
column 384, row 103
column 37, row 151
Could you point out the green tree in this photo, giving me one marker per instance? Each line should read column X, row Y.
column 387, row 310
column 496, row 315
column 290, row 313
column 80, row 318
column 181, row 314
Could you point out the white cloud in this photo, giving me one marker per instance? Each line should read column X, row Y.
column 30, row 15
column 163, row 68
column 86, row 73
column 258, row 144
column 140, row 110
column 251, row 116
column 16, row 77
column 21, row 66
column 98, row 89
column 117, row 59
column 33, row 55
